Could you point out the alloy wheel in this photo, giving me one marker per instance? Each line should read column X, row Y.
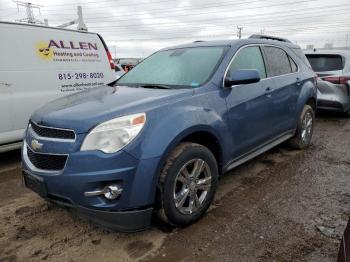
column 307, row 125
column 192, row 185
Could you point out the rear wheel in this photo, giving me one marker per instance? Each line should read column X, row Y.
column 187, row 184
column 305, row 128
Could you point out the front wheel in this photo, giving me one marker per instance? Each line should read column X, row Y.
column 305, row 128
column 187, row 184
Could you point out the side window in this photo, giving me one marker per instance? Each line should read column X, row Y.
column 293, row 65
column 277, row 60
column 248, row 58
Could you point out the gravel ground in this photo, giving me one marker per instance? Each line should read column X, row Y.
column 285, row 205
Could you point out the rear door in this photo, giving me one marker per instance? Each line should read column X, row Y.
column 283, row 70
column 249, row 105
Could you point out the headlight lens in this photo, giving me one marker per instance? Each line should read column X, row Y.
column 113, row 135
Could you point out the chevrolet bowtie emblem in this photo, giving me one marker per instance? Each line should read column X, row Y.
column 36, row 145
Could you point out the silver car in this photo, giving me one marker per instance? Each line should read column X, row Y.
column 333, row 70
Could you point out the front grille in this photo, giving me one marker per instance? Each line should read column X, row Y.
column 47, row 161
column 52, row 132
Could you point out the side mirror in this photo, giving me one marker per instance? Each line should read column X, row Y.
column 241, row 77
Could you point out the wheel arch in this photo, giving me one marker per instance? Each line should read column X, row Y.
column 312, row 102
column 307, row 96
column 202, row 135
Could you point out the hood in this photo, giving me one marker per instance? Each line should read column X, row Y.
column 82, row 111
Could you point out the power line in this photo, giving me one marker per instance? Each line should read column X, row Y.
column 99, row 2
column 192, row 37
column 299, row 12
column 250, row 19
column 220, row 4
column 90, row 19
column 130, row 4
column 270, row 23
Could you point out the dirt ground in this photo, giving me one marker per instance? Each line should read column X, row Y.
column 285, row 205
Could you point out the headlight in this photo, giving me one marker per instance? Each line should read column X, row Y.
column 113, row 135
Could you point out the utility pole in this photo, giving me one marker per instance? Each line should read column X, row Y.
column 29, row 12
column 80, row 21
column 239, row 32
column 347, row 39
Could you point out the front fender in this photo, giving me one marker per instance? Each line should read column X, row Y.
column 167, row 127
column 164, row 129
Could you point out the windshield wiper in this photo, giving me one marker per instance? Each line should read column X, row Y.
column 155, row 86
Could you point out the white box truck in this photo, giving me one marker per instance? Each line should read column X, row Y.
column 39, row 64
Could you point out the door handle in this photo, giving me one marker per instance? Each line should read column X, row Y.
column 298, row 82
column 268, row 91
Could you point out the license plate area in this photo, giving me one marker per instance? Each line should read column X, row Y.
column 35, row 184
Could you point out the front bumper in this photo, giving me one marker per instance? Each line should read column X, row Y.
column 122, row 221
column 93, row 170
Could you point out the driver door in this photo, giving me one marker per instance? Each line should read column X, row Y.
column 249, row 105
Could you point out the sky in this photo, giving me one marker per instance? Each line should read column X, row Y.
column 137, row 28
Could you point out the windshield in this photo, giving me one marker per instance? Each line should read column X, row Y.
column 322, row 63
column 184, row 67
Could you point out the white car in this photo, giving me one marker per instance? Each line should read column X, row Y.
column 39, row 64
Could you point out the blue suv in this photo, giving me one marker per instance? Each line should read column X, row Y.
column 158, row 139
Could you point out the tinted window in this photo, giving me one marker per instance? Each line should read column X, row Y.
column 320, row 63
column 278, row 61
column 248, row 58
column 293, row 65
column 187, row 67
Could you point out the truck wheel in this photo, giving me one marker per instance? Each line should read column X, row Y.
column 305, row 128
column 187, row 184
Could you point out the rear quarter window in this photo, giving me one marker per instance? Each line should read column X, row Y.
column 324, row 62
column 277, row 60
column 293, row 65
column 301, row 55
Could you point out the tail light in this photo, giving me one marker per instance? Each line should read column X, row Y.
column 340, row 80
column 110, row 59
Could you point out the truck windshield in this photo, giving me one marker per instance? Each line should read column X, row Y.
column 176, row 68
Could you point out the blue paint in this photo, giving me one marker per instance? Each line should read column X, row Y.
column 241, row 118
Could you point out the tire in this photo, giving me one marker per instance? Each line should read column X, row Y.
column 186, row 187
column 304, row 131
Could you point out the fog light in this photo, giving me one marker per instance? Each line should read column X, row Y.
column 110, row 192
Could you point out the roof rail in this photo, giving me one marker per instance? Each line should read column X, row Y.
column 268, row 37
column 198, row 41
